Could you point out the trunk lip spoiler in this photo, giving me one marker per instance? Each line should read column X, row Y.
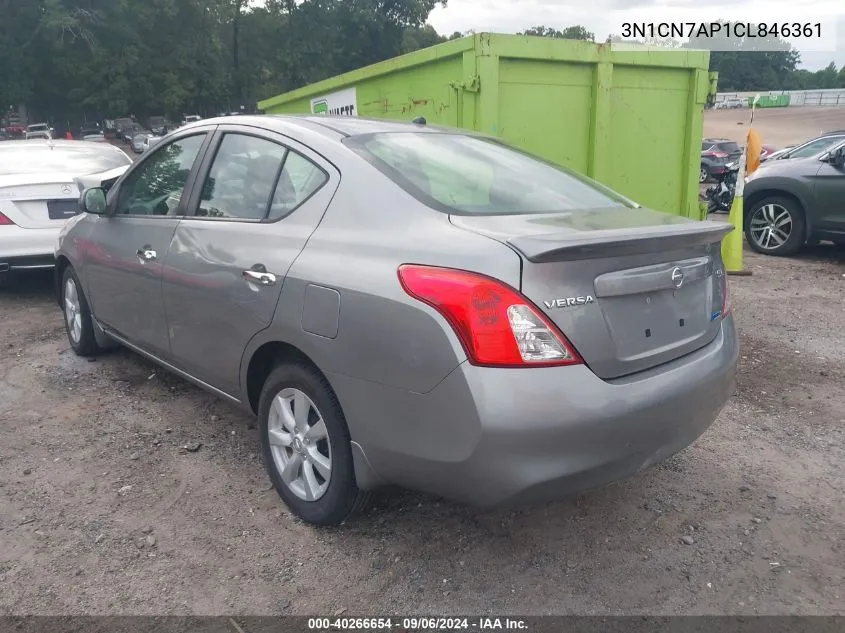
column 551, row 247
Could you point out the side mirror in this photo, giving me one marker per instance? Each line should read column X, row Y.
column 93, row 200
column 837, row 157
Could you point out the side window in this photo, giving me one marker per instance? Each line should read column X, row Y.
column 241, row 179
column 156, row 187
column 816, row 147
column 299, row 179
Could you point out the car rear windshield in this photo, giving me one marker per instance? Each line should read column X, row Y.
column 468, row 175
column 729, row 147
column 37, row 158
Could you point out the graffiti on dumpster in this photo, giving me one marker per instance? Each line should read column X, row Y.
column 343, row 103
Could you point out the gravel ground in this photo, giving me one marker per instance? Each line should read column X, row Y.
column 104, row 511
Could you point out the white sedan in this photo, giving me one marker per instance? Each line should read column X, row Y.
column 39, row 187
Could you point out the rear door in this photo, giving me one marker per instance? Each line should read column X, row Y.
column 123, row 260
column 260, row 198
column 829, row 187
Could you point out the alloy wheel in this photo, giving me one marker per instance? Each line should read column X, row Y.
column 73, row 314
column 702, row 175
column 770, row 226
column 299, row 444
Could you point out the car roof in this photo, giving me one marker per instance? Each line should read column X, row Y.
column 327, row 125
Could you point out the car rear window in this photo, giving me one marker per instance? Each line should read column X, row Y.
column 467, row 175
column 41, row 158
column 729, row 147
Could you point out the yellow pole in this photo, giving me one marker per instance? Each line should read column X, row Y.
column 732, row 243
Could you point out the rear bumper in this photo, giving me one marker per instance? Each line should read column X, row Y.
column 27, row 249
column 490, row 436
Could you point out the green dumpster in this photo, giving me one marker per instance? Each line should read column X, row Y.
column 771, row 101
column 631, row 119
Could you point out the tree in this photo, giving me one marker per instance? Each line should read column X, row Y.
column 576, row 32
column 414, row 38
column 827, row 77
column 76, row 59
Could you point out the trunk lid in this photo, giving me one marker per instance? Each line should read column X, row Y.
column 630, row 288
column 38, row 201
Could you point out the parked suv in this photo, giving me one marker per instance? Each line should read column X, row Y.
column 788, row 203
column 715, row 156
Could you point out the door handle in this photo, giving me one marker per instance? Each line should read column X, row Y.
column 146, row 254
column 260, row 277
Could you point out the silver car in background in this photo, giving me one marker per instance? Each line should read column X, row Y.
column 143, row 141
column 402, row 304
column 97, row 137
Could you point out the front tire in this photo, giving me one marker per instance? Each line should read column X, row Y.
column 776, row 226
column 305, row 443
column 78, row 322
column 703, row 174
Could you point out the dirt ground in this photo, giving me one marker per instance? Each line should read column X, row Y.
column 779, row 127
column 103, row 512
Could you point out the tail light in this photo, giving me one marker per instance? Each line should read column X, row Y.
column 4, row 221
column 497, row 326
column 726, row 296
column 719, row 154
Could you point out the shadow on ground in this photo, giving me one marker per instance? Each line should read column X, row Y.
column 36, row 284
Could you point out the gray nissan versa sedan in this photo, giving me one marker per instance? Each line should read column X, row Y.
column 405, row 304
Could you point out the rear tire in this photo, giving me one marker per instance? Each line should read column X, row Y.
column 79, row 324
column 305, row 443
column 776, row 226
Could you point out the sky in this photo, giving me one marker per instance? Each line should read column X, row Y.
column 605, row 17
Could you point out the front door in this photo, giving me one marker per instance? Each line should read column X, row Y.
column 124, row 273
column 829, row 188
column 262, row 196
